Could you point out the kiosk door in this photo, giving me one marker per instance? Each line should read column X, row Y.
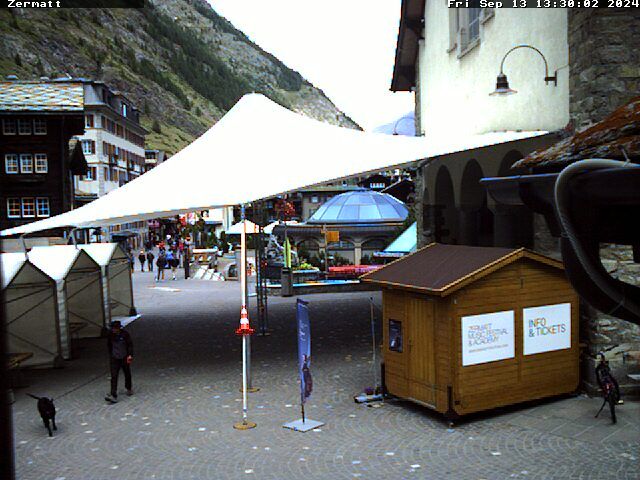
column 422, row 358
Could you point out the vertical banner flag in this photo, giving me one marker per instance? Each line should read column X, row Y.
column 304, row 350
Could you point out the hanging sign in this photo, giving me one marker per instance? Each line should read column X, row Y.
column 304, row 350
column 488, row 337
column 546, row 328
column 333, row 236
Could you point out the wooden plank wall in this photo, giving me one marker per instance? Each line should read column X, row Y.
column 395, row 363
column 522, row 284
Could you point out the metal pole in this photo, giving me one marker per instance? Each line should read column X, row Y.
column 373, row 339
column 246, row 348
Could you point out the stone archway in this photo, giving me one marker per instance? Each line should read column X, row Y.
column 512, row 224
column 476, row 220
column 443, row 210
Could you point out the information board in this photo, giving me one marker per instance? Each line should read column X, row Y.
column 546, row 328
column 488, row 337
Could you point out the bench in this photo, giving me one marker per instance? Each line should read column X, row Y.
column 14, row 360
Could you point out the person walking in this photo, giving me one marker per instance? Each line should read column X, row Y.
column 161, row 263
column 150, row 257
column 120, row 349
column 142, row 258
column 186, row 258
column 172, row 262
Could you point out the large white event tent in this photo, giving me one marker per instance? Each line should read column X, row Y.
column 79, row 290
column 117, row 290
column 29, row 299
column 266, row 150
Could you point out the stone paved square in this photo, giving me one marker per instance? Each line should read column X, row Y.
column 187, row 374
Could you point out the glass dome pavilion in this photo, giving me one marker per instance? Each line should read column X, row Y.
column 360, row 207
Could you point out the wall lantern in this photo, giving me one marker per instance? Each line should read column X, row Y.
column 502, row 84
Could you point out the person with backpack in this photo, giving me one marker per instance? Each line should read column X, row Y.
column 172, row 262
column 120, row 349
column 142, row 258
column 161, row 263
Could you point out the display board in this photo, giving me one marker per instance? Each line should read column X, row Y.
column 546, row 328
column 488, row 337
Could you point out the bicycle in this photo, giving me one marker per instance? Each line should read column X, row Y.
column 608, row 385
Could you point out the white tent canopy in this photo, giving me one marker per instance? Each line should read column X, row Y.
column 116, row 278
column 271, row 150
column 29, row 300
column 236, row 228
column 79, row 290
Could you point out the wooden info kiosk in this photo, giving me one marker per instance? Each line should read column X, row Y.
column 474, row 328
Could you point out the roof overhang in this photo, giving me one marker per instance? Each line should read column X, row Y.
column 409, row 35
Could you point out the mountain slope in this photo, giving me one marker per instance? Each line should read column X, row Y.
column 181, row 63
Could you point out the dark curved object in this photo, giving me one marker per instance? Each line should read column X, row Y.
column 605, row 208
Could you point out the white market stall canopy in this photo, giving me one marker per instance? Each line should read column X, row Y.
column 236, row 228
column 79, row 290
column 266, row 150
column 29, row 300
column 116, row 278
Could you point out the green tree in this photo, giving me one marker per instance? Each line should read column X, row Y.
column 18, row 60
column 156, row 126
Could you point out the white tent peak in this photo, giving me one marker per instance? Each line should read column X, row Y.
column 264, row 150
column 236, row 228
column 11, row 263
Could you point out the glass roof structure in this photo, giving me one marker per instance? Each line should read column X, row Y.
column 362, row 207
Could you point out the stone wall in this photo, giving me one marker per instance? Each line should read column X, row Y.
column 604, row 74
column 605, row 62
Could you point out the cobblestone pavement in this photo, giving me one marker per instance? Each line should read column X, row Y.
column 187, row 370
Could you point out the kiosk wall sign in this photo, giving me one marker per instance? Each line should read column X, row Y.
column 546, row 328
column 488, row 337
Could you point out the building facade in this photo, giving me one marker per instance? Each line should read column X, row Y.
column 39, row 169
column 451, row 57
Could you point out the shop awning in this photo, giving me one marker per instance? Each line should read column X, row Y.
column 265, row 150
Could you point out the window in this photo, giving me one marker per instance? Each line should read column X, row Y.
column 11, row 163
column 88, row 147
column 26, row 163
column 28, row 208
column 88, row 121
column 314, row 199
column 42, row 206
column 105, row 174
column 395, row 336
column 40, row 126
column 92, row 174
column 24, row 127
column 13, row 207
column 42, row 163
column 8, row 127
column 124, row 109
column 473, row 24
column 464, row 28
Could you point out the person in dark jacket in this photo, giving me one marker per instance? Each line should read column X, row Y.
column 161, row 263
column 142, row 258
column 120, row 349
column 150, row 257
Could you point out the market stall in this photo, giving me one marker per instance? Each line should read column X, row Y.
column 474, row 328
column 29, row 300
column 79, row 291
column 117, row 289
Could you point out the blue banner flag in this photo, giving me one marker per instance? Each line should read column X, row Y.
column 304, row 350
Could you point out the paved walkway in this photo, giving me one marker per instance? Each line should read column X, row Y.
column 187, row 370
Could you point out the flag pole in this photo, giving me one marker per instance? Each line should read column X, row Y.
column 244, row 330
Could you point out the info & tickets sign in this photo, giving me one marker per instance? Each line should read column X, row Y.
column 546, row 328
column 488, row 337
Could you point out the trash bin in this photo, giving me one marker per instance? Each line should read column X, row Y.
column 286, row 282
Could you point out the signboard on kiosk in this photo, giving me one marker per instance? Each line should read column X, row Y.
column 488, row 337
column 546, row 328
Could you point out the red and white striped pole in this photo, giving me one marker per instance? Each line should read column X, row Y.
column 244, row 329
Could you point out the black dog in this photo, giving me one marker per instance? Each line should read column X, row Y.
column 47, row 411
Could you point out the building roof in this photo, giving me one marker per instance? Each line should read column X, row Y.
column 409, row 34
column 442, row 269
column 360, row 208
column 406, row 242
column 616, row 135
column 41, row 97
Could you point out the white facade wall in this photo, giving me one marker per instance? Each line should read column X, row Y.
column 454, row 89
